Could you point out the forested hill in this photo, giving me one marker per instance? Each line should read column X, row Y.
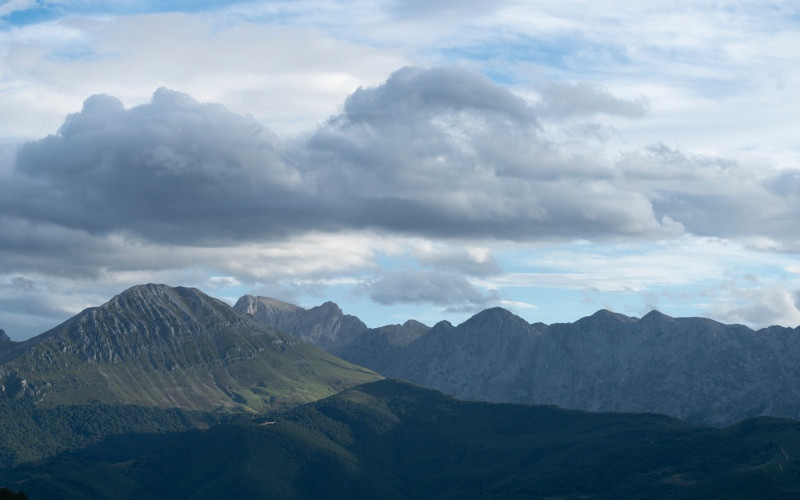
column 394, row 440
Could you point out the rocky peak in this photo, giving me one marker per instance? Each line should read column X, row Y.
column 145, row 322
column 252, row 305
column 325, row 325
column 329, row 308
column 3, row 336
column 495, row 319
column 443, row 325
column 164, row 346
column 604, row 320
column 655, row 317
column 401, row 334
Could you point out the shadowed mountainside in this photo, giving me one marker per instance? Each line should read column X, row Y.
column 326, row 326
column 394, row 440
column 692, row 368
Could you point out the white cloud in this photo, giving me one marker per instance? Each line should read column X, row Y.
column 529, row 132
column 760, row 307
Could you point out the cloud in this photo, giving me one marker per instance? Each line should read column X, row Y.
column 171, row 170
column 412, row 286
column 446, row 152
column 564, row 100
column 762, row 307
column 12, row 6
column 437, row 153
column 423, row 10
column 467, row 261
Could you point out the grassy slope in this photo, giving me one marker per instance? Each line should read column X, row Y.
column 155, row 345
column 393, row 440
column 300, row 376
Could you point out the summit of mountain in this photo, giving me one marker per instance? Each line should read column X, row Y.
column 497, row 319
column 156, row 345
column 325, row 326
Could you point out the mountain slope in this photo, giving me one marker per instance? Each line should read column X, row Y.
column 394, row 440
column 325, row 326
column 691, row 368
column 155, row 345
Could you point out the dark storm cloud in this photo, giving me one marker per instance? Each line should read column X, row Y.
column 446, row 152
column 438, row 152
column 171, row 170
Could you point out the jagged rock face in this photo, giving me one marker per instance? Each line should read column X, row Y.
column 164, row 346
column 325, row 326
column 692, row 368
column 3, row 336
column 470, row 355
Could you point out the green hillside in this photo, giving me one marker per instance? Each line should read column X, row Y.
column 391, row 439
column 159, row 346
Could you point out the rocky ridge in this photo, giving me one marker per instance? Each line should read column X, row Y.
column 327, row 327
column 692, row 368
column 156, row 345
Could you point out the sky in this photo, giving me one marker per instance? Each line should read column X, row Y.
column 410, row 159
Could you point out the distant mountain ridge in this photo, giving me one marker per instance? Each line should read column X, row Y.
column 327, row 327
column 156, row 345
column 692, row 368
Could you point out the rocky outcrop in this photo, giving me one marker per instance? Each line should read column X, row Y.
column 325, row 326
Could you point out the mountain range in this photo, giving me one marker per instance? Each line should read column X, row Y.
column 165, row 392
column 155, row 345
column 695, row 369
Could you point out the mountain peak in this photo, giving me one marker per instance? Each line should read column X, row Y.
column 655, row 316
column 329, row 308
column 605, row 318
column 494, row 317
column 156, row 345
column 3, row 336
column 606, row 314
column 251, row 304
